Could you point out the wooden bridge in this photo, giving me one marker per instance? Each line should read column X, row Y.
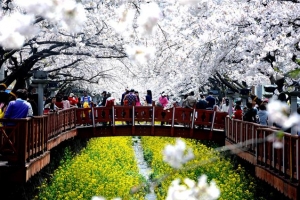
column 25, row 145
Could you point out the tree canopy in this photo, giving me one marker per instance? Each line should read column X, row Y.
column 173, row 46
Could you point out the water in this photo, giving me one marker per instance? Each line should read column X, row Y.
column 144, row 169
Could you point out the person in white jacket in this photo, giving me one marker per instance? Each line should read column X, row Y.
column 225, row 106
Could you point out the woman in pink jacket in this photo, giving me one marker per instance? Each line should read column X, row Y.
column 163, row 100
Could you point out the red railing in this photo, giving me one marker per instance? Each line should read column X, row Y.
column 25, row 139
column 173, row 116
column 255, row 138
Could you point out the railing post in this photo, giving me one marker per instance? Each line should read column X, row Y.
column 192, row 125
column 252, row 137
column 256, row 145
column 291, row 158
column 264, row 139
column 297, row 159
column 273, row 153
column 236, row 140
column 113, row 120
column 153, row 117
column 93, row 117
column 213, row 121
column 241, row 136
column 226, row 130
column 283, row 154
column 23, row 141
column 133, row 121
column 172, row 123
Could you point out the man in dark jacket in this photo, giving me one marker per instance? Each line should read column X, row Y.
column 201, row 104
column 104, row 94
column 250, row 115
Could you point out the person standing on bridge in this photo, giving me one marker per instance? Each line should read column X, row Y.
column 131, row 99
column 123, row 95
column 211, row 101
column 250, row 115
column 138, row 102
column 85, row 98
column 148, row 98
column 191, row 100
column 225, row 106
column 19, row 108
column 201, row 104
column 163, row 100
column 73, row 100
column 110, row 102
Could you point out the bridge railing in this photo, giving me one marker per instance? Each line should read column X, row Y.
column 285, row 160
column 257, row 139
column 25, row 139
column 242, row 132
column 15, row 143
column 132, row 114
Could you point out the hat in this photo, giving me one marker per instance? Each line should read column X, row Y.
column 163, row 94
column 71, row 95
column 104, row 92
column 132, row 90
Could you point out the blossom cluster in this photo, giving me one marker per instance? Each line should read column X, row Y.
column 15, row 28
column 192, row 190
column 175, row 155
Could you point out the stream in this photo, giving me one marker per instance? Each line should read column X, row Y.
column 144, row 169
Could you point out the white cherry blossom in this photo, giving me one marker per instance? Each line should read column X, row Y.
column 192, row 190
column 150, row 14
column 177, row 155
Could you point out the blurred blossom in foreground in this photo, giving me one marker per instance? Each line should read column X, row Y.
column 14, row 28
column 188, row 2
column 73, row 16
column 126, row 17
column 192, row 190
column 69, row 14
column 140, row 54
column 276, row 138
column 150, row 14
column 279, row 112
column 176, row 156
column 45, row 8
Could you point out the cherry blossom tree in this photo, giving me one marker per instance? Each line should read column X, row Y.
column 172, row 46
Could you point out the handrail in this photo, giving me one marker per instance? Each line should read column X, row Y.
column 175, row 115
column 24, row 139
column 254, row 137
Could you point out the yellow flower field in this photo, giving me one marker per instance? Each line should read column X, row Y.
column 107, row 167
column 232, row 183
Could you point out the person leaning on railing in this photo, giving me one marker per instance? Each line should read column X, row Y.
column 50, row 106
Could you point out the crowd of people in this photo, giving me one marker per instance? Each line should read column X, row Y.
column 25, row 104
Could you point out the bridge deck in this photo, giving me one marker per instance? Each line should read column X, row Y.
column 25, row 146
